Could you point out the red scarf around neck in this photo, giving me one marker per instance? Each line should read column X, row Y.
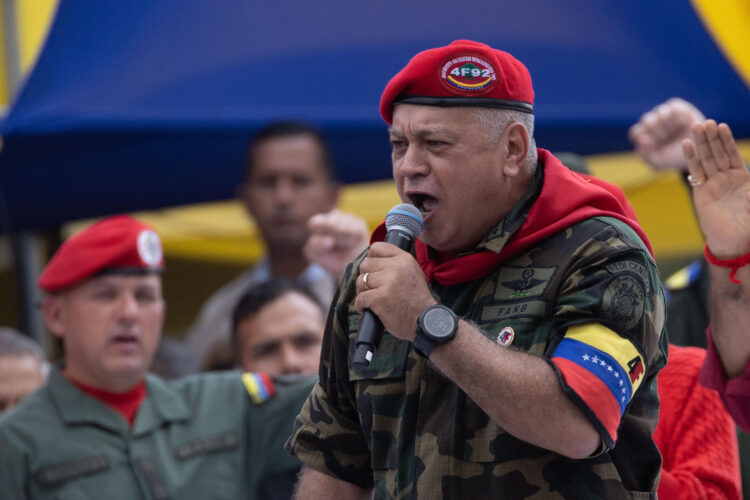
column 566, row 198
column 124, row 403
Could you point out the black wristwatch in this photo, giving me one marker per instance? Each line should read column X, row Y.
column 436, row 325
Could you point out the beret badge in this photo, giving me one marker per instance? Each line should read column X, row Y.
column 149, row 248
column 468, row 73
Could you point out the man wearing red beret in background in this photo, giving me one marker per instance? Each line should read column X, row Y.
column 103, row 428
column 523, row 333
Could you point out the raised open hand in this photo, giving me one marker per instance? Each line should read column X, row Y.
column 721, row 188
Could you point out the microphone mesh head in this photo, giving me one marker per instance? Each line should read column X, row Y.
column 405, row 217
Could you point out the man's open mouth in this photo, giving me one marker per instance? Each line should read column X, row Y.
column 424, row 202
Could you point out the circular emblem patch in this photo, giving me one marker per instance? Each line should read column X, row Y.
column 506, row 336
column 149, row 248
column 623, row 301
column 469, row 73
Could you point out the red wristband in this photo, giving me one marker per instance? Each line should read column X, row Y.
column 734, row 264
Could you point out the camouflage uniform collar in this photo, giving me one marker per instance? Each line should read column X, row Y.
column 502, row 232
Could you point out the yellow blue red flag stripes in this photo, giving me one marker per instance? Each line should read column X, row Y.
column 603, row 368
column 259, row 386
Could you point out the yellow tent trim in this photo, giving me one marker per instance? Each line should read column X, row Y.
column 34, row 19
column 728, row 22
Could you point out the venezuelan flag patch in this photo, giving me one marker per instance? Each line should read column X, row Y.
column 603, row 368
column 259, row 386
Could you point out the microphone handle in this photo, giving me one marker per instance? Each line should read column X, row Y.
column 371, row 328
column 400, row 238
column 368, row 337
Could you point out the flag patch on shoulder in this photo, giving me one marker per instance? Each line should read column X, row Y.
column 259, row 386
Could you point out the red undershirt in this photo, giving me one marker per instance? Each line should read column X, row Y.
column 124, row 403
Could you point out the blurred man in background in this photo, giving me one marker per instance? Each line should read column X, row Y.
column 102, row 426
column 23, row 367
column 289, row 178
column 278, row 328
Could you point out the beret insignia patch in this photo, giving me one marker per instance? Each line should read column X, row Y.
column 149, row 248
column 468, row 73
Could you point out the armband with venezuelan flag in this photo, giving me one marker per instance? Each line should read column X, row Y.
column 604, row 369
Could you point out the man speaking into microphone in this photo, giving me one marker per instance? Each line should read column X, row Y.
column 524, row 331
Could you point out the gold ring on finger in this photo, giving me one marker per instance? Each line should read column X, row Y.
column 695, row 182
column 364, row 280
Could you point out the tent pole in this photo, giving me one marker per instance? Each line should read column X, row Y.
column 26, row 247
column 27, row 257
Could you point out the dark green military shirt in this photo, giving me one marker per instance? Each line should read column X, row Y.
column 197, row 438
column 402, row 427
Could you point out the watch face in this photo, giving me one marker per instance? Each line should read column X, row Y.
column 438, row 323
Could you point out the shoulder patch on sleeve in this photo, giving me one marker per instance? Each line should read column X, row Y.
column 259, row 387
column 624, row 301
column 603, row 368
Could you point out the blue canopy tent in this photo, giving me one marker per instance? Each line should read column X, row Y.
column 149, row 103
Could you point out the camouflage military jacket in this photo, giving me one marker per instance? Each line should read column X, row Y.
column 402, row 427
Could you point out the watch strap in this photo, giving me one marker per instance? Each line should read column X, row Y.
column 422, row 344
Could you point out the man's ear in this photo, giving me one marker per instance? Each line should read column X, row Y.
column 52, row 311
column 516, row 139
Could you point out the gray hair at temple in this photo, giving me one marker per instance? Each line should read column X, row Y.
column 495, row 121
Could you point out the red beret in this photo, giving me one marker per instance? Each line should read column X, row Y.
column 119, row 243
column 464, row 73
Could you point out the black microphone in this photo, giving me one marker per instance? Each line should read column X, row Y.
column 403, row 223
